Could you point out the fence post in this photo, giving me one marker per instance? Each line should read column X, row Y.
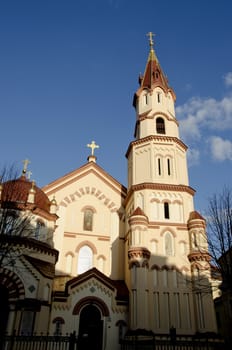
column 72, row 341
column 173, row 336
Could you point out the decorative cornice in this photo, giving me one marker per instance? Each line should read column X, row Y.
column 199, row 256
column 146, row 115
column 158, row 186
column 156, row 138
column 30, row 243
column 82, row 191
column 137, row 253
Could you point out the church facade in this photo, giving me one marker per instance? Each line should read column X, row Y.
column 121, row 259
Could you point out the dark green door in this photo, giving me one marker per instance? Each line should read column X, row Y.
column 91, row 328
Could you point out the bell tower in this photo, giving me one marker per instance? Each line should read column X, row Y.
column 158, row 206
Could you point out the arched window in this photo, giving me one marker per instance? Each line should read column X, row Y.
column 101, row 263
column 145, row 99
column 69, row 260
column 85, row 259
column 46, row 292
column 88, row 220
column 10, row 223
column 160, row 126
column 154, row 246
column 39, row 227
column 168, row 244
column 140, row 199
column 58, row 321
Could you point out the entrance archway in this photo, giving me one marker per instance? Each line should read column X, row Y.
column 4, row 307
column 90, row 328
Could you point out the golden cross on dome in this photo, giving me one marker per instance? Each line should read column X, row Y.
column 92, row 145
column 151, row 42
column 25, row 165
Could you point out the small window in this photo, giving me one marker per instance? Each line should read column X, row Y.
column 69, row 262
column 88, row 220
column 166, row 210
column 168, row 242
column 159, row 166
column 9, row 225
column 169, row 166
column 39, row 227
column 145, row 99
column 158, row 97
column 58, row 321
column 160, row 126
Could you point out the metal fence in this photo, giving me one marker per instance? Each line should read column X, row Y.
column 71, row 342
column 166, row 342
column 38, row 342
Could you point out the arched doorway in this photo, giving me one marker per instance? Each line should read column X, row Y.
column 90, row 328
column 4, row 307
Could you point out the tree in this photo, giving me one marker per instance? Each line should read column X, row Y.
column 15, row 216
column 219, row 222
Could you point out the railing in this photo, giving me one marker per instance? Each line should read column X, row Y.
column 71, row 342
column 38, row 342
column 167, row 342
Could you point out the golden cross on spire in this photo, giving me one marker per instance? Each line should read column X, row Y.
column 92, row 145
column 151, row 42
column 25, row 165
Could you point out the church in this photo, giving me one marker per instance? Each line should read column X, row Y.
column 105, row 260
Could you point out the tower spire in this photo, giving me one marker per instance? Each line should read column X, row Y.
column 152, row 55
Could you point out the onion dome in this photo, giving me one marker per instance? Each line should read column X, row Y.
column 16, row 193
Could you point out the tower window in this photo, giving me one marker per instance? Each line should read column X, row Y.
column 158, row 97
column 159, row 166
column 169, row 167
column 166, row 210
column 145, row 99
column 160, row 126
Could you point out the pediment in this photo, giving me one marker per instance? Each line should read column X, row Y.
column 81, row 172
column 88, row 179
column 94, row 278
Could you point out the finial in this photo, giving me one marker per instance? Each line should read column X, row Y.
column 151, row 42
column 92, row 145
column 29, row 173
column 25, row 165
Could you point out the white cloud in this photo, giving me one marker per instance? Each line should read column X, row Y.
column 193, row 156
column 220, row 149
column 228, row 79
column 210, row 114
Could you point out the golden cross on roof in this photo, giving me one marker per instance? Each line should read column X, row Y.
column 25, row 165
column 151, row 42
column 92, row 145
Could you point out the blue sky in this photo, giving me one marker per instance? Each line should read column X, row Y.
column 69, row 69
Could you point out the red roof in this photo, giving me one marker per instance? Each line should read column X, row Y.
column 16, row 191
